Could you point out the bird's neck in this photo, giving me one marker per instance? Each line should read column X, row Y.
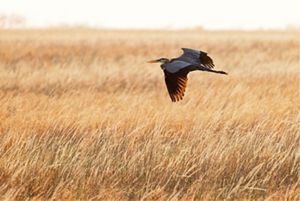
column 164, row 62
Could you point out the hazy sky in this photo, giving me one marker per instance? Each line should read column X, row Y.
column 211, row 14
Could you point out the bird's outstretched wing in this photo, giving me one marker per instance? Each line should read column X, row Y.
column 176, row 84
column 196, row 57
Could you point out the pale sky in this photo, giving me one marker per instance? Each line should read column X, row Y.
column 210, row 14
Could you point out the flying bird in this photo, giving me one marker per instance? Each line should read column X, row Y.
column 177, row 69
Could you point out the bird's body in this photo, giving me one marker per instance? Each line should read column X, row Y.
column 177, row 69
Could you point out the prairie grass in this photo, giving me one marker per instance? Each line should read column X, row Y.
column 84, row 117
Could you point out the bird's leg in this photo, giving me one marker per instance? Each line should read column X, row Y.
column 210, row 70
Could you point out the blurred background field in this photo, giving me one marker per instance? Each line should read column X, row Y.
column 83, row 116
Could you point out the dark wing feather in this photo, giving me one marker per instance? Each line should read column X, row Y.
column 196, row 57
column 206, row 60
column 176, row 84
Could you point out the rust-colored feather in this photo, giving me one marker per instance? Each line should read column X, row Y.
column 176, row 84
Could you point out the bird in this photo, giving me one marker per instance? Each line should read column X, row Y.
column 176, row 70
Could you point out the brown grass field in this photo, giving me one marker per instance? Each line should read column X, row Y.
column 84, row 117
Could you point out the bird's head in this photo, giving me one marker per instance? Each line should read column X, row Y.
column 161, row 60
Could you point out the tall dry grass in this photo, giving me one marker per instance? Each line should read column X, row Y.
column 84, row 117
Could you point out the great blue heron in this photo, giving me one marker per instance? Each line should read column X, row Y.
column 176, row 70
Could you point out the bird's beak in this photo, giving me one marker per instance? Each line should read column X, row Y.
column 152, row 61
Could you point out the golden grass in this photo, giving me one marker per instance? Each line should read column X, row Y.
column 84, row 117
